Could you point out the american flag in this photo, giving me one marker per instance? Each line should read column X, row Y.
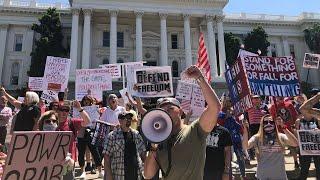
column 203, row 61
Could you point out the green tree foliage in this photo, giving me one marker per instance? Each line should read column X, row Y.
column 256, row 40
column 312, row 38
column 232, row 46
column 49, row 44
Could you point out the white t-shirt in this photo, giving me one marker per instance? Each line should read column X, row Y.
column 111, row 116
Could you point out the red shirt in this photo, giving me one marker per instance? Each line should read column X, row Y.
column 286, row 111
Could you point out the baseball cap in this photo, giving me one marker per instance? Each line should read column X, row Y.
column 173, row 101
column 125, row 115
column 255, row 96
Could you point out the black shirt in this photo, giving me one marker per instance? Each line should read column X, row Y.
column 25, row 119
column 217, row 140
column 130, row 157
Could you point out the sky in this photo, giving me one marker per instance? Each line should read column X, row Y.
column 276, row 7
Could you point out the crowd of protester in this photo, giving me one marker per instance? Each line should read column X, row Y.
column 201, row 149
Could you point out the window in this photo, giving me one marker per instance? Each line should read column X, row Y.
column 120, row 40
column 151, row 63
column 106, row 39
column 175, row 69
column 273, row 50
column 291, row 48
column 18, row 42
column 120, row 60
column 105, row 61
column 174, row 41
column 15, row 68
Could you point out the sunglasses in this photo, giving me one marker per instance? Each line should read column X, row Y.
column 268, row 122
column 48, row 121
column 64, row 110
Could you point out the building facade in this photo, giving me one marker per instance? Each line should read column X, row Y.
column 159, row 32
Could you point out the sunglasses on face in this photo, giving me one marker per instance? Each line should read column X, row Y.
column 64, row 110
column 268, row 122
column 48, row 121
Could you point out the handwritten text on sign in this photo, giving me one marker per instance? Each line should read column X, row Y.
column 37, row 155
column 35, row 83
column 56, row 73
column 113, row 69
column 272, row 76
column 153, row 82
column 309, row 142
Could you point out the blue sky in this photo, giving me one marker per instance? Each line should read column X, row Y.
column 277, row 7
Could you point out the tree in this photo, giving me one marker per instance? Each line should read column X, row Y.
column 312, row 38
column 49, row 44
column 232, row 44
column 256, row 40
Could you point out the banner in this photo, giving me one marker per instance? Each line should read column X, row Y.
column 101, row 131
column 153, row 82
column 37, row 155
column 272, row 76
column 113, row 69
column 309, row 142
column 56, row 74
column 35, row 83
column 95, row 80
column 311, row 61
column 238, row 88
column 49, row 96
column 93, row 112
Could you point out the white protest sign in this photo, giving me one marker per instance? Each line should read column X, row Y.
column 243, row 53
column 197, row 101
column 184, row 90
column 93, row 112
column 130, row 67
column 309, row 142
column 95, row 80
column 113, row 69
column 35, row 83
column 56, row 74
column 123, row 95
column 49, row 96
column 153, row 82
column 311, row 61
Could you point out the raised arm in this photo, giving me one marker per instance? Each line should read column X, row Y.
column 209, row 117
column 246, row 144
column 12, row 100
column 291, row 139
column 84, row 115
column 137, row 104
column 307, row 107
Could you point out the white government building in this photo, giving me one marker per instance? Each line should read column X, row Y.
column 160, row 32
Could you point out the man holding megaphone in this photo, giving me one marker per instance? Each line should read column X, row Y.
column 182, row 155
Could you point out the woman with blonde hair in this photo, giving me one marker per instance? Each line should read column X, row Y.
column 270, row 143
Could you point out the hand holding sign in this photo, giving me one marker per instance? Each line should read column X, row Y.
column 193, row 72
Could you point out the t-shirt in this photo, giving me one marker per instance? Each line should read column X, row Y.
column 188, row 154
column 286, row 111
column 25, row 119
column 130, row 157
column 271, row 164
column 217, row 140
column 111, row 116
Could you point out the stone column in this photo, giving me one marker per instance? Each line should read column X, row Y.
column 113, row 36
column 187, row 40
column 3, row 42
column 212, row 46
column 86, row 45
column 285, row 46
column 222, row 52
column 139, row 35
column 164, row 39
column 74, row 43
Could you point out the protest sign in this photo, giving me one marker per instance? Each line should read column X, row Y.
column 238, row 87
column 153, row 82
column 243, row 53
column 35, row 83
column 37, row 155
column 113, row 69
column 130, row 74
column 94, row 80
column 101, row 131
column 49, row 96
column 272, row 76
column 309, row 142
column 184, row 90
column 92, row 111
column 123, row 95
column 197, row 101
column 21, row 99
column 311, row 61
column 56, row 74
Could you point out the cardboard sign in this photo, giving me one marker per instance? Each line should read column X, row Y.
column 37, row 155
column 311, row 61
column 272, row 76
column 35, row 83
column 130, row 67
column 238, row 88
column 197, row 101
column 113, row 69
column 49, row 96
column 95, row 80
column 184, row 90
column 153, row 82
column 102, row 129
column 93, row 112
column 309, row 142
column 56, row 74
